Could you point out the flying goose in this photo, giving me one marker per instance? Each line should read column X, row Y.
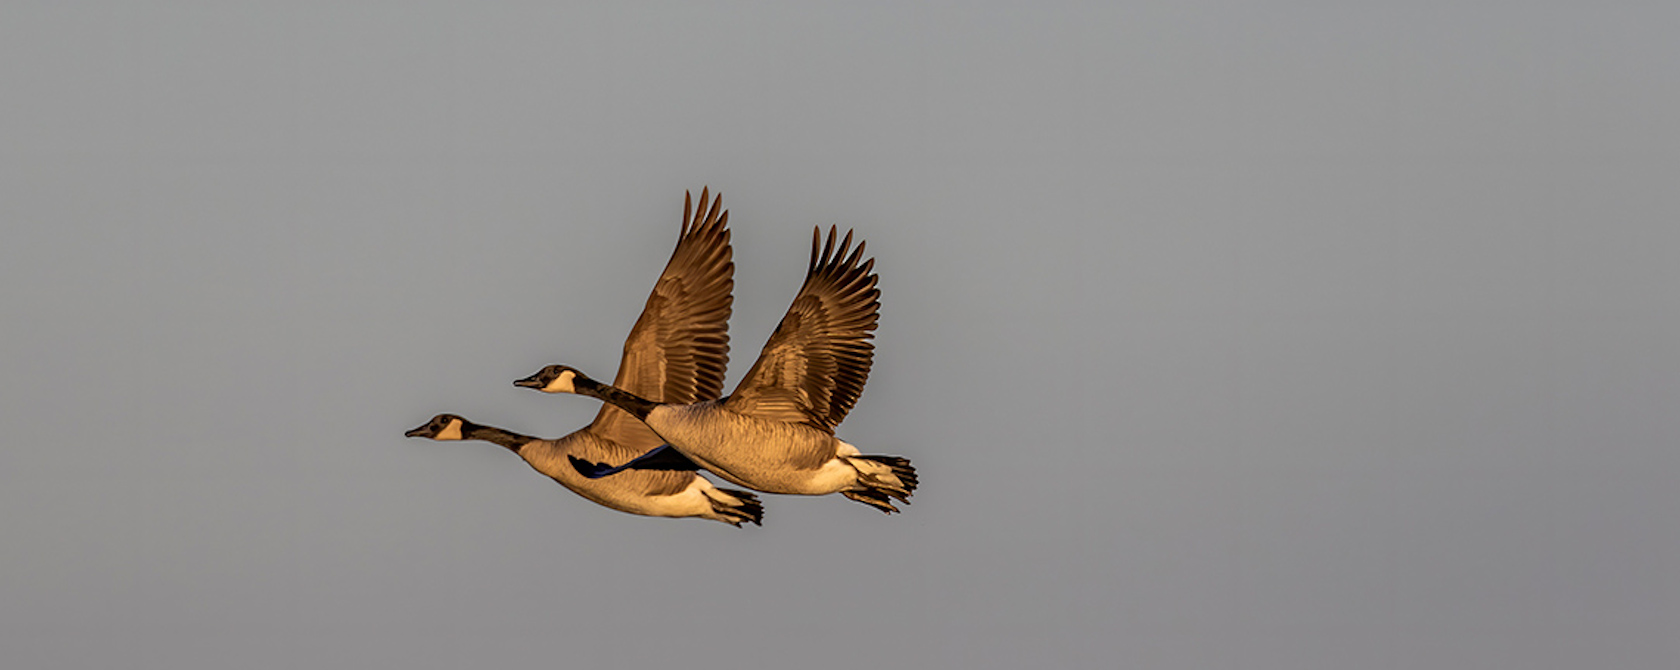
column 776, row 432
column 677, row 351
column 647, row 492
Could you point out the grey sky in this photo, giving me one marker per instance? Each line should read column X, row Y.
column 1258, row 335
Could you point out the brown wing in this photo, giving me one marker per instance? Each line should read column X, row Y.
column 678, row 350
column 815, row 365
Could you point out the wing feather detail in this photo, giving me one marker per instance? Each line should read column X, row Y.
column 678, row 351
column 817, row 361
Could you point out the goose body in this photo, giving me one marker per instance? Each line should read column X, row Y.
column 776, row 432
column 805, row 460
column 677, row 351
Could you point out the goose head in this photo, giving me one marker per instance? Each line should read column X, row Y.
column 441, row 427
column 555, row 379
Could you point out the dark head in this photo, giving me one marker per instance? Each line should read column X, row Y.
column 441, row 427
column 554, row 379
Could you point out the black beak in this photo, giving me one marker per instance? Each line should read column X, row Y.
column 531, row 382
column 417, row 432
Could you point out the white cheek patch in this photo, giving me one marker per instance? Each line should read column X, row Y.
column 450, row 432
column 561, row 384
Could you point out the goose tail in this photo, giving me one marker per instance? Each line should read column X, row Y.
column 881, row 480
column 735, row 507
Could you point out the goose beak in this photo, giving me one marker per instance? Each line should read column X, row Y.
column 530, row 382
column 417, row 432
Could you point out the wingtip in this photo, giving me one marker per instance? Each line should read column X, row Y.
column 688, row 210
column 837, row 252
column 844, row 258
column 713, row 215
column 828, row 246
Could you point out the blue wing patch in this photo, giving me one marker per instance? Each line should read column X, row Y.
column 662, row 457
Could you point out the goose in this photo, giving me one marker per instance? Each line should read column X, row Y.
column 669, row 493
column 677, row 351
column 776, row 432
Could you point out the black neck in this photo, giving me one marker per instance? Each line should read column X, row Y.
column 511, row 440
column 636, row 405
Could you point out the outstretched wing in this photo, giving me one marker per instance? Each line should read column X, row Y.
column 678, row 350
column 815, row 365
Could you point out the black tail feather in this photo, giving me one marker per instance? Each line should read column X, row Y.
column 873, row 498
column 881, row 497
column 901, row 467
column 749, row 509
